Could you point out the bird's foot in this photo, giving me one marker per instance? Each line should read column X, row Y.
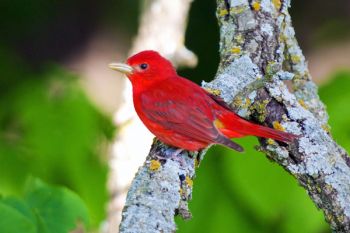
column 173, row 155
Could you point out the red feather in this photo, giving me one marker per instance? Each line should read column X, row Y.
column 182, row 114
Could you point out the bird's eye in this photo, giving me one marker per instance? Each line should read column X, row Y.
column 143, row 66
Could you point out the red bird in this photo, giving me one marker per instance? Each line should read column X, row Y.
column 181, row 113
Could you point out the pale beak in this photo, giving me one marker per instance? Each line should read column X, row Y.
column 121, row 67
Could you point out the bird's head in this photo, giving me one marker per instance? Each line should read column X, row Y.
column 145, row 68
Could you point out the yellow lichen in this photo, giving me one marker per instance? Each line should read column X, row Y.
column 302, row 103
column 154, row 165
column 213, row 91
column 285, row 117
column 278, row 126
column 297, row 77
column 189, row 181
column 328, row 188
column 277, row 4
column 283, row 37
column 237, row 10
column 196, row 163
column 259, row 107
column 266, row 102
column 270, row 68
column 236, row 50
column 237, row 101
column 256, row 6
column 181, row 191
column 239, row 38
column 223, row 12
column 318, row 188
column 270, row 141
column 247, row 103
column 295, row 58
column 326, row 128
column 340, row 218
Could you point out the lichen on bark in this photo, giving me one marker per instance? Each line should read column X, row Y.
column 158, row 193
column 266, row 37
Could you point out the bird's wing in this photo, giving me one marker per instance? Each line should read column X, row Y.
column 181, row 110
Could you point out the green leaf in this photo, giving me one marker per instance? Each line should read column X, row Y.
column 51, row 130
column 58, row 210
column 15, row 217
column 21, row 206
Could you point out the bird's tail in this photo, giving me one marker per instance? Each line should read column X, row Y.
column 227, row 142
column 265, row 132
column 236, row 126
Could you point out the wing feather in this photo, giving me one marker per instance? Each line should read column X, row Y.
column 187, row 113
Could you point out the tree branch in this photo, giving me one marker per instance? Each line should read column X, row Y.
column 304, row 88
column 257, row 43
column 259, row 54
column 160, row 190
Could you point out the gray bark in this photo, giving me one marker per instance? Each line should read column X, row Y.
column 160, row 190
column 259, row 55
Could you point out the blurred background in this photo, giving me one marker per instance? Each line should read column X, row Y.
column 57, row 99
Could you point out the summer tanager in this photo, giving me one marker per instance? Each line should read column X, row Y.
column 181, row 113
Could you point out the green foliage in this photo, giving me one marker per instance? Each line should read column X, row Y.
column 14, row 217
column 49, row 129
column 247, row 193
column 44, row 209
